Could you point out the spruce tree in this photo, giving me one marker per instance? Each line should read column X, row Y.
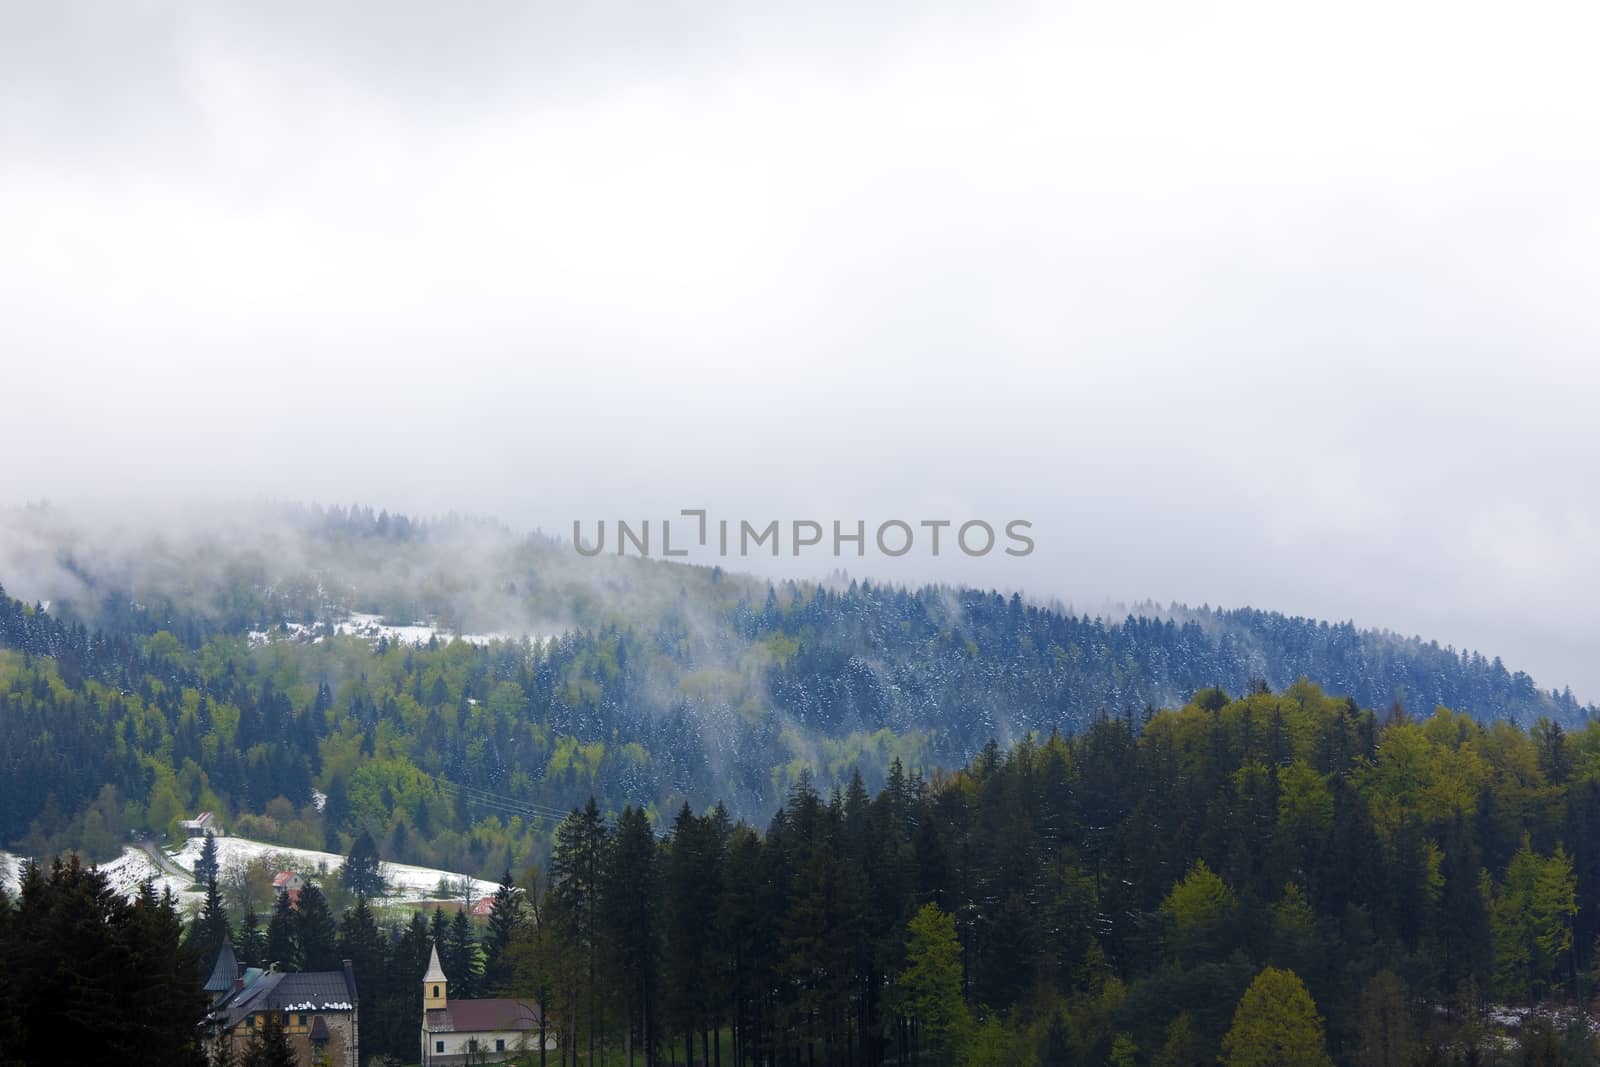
column 211, row 929
column 362, row 873
column 577, row 860
column 362, row 944
column 206, row 868
column 460, row 958
column 269, row 1047
column 250, row 945
column 506, row 915
column 317, row 932
column 406, row 962
column 628, row 909
column 439, row 935
column 87, row 966
column 283, row 936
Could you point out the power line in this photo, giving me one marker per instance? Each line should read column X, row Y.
column 499, row 802
column 478, row 795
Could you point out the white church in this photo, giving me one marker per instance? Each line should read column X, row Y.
column 486, row 1030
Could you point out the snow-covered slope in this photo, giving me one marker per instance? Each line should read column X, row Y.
column 134, row 867
column 125, row 874
column 373, row 627
column 407, row 883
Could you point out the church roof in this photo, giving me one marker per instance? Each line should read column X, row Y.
column 480, row 1016
column 224, row 973
column 435, row 972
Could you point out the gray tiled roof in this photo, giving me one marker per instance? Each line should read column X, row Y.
column 224, row 973
column 325, row 991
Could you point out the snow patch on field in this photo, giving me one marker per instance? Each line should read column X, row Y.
column 407, row 883
column 125, row 875
column 374, row 628
column 134, row 867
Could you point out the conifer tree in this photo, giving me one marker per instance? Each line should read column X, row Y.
column 506, row 916
column 362, row 873
column 628, row 909
column 577, row 861
column 211, row 929
column 88, row 966
column 206, row 868
column 283, row 936
column 460, row 958
column 269, row 1046
column 317, row 933
column 1383, row 1031
column 361, row 943
column 250, row 944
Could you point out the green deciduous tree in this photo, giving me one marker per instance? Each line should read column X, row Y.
column 1276, row 1025
column 1199, row 905
column 1532, row 921
column 929, row 985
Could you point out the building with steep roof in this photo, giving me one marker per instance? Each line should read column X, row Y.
column 202, row 824
column 225, row 975
column 480, row 1030
column 317, row 1009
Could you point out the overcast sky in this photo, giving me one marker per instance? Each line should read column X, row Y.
column 1273, row 304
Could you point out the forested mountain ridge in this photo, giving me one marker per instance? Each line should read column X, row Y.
column 153, row 675
column 1275, row 878
column 1283, row 879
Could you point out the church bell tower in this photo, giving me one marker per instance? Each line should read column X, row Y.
column 434, row 984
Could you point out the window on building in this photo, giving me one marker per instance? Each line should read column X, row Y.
column 438, row 1046
column 250, row 1022
column 299, row 1020
column 499, row 1044
column 472, row 1044
column 435, row 990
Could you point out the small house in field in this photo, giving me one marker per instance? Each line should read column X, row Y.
column 289, row 884
column 201, row 825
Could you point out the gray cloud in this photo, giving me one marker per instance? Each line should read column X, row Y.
column 1238, row 303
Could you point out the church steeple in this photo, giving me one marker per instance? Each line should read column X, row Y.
column 434, row 984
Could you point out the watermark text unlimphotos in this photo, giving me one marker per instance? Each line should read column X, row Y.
column 742, row 537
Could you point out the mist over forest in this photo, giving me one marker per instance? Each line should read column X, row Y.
column 457, row 648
